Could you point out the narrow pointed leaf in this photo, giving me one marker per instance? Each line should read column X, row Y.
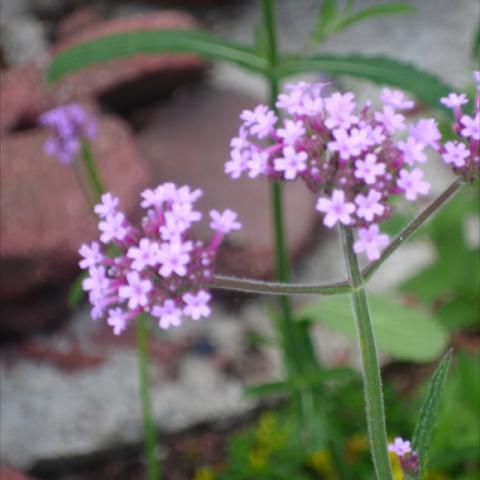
column 428, row 414
column 375, row 11
column 381, row 70
column 326, row 15
column 152, row 42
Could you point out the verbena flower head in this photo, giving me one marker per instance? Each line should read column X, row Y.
column 157, row 267
column 69, row 124
column 355, row 158
column 463, row 154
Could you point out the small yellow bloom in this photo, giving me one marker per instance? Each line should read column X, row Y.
column 355, row 446
column 205, row 473
column 321, row 462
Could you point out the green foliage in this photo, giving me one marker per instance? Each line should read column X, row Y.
column 331, row 20
column 76, row 293
column 426, row 422
column 381, row 70
column 404, row 333
column 153, row 42
column 450, row 286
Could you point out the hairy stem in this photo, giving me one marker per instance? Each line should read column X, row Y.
column 149, row 433
column 375, row 411
column 248, row 285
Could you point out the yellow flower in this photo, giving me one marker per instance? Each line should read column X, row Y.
column 205, row 473
column 356, row 445
column 321, row 462
column 396, row 466
column 258, row 457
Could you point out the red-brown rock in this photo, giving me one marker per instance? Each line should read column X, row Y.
column 187, row 141
column 43, row 215
column 7, row 473
column 76, row 21
column 127, row 83
column 23, row 96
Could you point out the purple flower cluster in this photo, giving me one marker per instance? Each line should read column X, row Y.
column 69, row 125
column 156, row 268
column 354, row 158
column 463, row 155
column 408, row 458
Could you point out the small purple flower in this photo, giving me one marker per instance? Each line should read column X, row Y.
column 369, row 206
column 340, row 110
column 92, row 256
column 96, row 281
column 369, row 169
column 224, row 222
column 136, row 291
column 400, row 447
column 346, row 145
column 145, row 255
column 117, row 320
column 454, row 100
column 113, row 227
column 69, row 124
column 259, row 121
column 196, row 305
column 108, row 206
column 412, row 184
column 413, row 151
column 291, row 132
column 168, row 313
column 396, row 99
column 257, row 164
column 174, row 258
column 292, row 163
column 370, row 241
column 455, row 153
column 236, row 165
column 390, row 119
column 426, row 131
column 336, row 209
column 471, row 126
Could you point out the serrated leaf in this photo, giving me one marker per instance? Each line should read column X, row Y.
column 428, row 414
column 381, row 70
column 152, row 42
column 375, row 11
column 404, row 333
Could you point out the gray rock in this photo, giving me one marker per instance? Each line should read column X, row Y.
column 22, row 38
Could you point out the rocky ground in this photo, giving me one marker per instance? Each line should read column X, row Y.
column 72, row 392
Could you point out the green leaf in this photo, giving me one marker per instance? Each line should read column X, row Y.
column 326, row 15
column 375, row 11
column 268, row 388
column 381, row 70
column 403, row 333
column 152, row 42
column 428, row 414
column 76, row 293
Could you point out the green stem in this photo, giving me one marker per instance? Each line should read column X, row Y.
column 414, row 225
column 281, row 256
column 149, row 433
column 249, row 285
column 93, row 177
column 375, row 411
